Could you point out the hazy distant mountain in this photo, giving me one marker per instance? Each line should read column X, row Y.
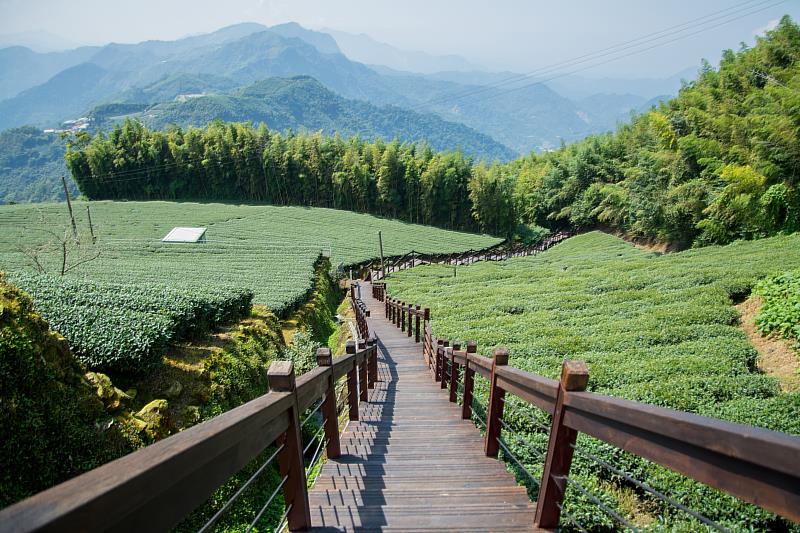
column 38, row 41
column 523, row 116
column 578, row 87
column 304, row 103
column 22, row 68
column 323, row 42
column 31, row 166
column 364, row 49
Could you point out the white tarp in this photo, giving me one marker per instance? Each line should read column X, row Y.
column 185, row 235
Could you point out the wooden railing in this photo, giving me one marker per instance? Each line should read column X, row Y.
column 361, row 313
column 756, row 465
column 156, row 487
column 499, row 252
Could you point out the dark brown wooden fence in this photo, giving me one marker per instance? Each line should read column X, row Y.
column 155, row 488
column 755, row 465
column 372, row 269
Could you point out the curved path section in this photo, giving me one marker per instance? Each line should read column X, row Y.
column 410, row 463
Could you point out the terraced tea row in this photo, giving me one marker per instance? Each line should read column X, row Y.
column 269, row 250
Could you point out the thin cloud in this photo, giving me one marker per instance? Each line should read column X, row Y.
column 771, row 25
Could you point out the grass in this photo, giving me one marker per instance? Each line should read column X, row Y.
column 268, row 249
column 655, row 328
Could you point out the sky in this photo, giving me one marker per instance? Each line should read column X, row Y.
column 518, row 35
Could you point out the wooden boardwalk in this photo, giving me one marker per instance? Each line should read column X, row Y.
column 411, row 463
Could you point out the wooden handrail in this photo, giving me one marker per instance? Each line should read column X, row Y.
column 496, row 252
column 756, row 465
column 155, row 487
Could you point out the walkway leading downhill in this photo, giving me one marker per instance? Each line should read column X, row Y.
column 411, row 463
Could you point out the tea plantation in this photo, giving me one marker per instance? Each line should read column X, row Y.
column 655, row 328
column 266, row 249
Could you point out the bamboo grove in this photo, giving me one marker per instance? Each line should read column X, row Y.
column 719, row 162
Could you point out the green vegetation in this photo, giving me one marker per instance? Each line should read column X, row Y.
column 31, row 165
column 127, row 328
column 654, row 328
column 50, row 417
column 268, row 250
column 303, row 103
column 780, row 312
column 715, row 164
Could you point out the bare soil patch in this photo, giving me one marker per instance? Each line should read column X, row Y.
column 776, row 356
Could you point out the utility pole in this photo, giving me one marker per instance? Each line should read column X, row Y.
column 380, row 245
column 91, row 228
column 69, row 206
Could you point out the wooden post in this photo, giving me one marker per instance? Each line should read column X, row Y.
column 402, row 316
column 373, row 361
column 496, row 402
column 416, row 319
column 91, row 227
column 325, row 359
column 574, row 377
column 281, row 379
column 437, row 368
column 469, row 381
column 380, row 245
column 362, row 371
column 454, row 372
column 69, row 207
column 410, row 324
column 386, row 307
column 352, row 383
column 443, row 375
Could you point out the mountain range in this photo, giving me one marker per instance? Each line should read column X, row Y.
column 226, row 75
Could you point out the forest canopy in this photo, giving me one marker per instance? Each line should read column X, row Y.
column 717, row 163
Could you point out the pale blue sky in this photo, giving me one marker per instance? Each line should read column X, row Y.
column 500, row 34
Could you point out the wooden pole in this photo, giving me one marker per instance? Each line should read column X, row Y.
column 574, row 377
column 454, row 371
column 373, row 361
column 380, row 245
column 443, row 375
column 416, row 321
column 363, row 371
column 295, row 492
column 91, row 228
column 469, row 381
column 329, row 414
column 352, row 383
column 497, row 399
column 69, row 207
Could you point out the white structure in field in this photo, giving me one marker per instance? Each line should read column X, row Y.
column 186, row 235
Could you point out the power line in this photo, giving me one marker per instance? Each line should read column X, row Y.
column 610, row 51
column 635, row 52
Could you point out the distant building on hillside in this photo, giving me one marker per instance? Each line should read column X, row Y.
column 184, row 97
column 190, row 235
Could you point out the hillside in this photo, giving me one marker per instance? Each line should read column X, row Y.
column 268, row 250
column 717, row 163
column 302, row 103
column 31, row 166
column 661, row 329
column 530, row 118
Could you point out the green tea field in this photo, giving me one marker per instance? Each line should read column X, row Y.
column 268, row 250
column 661, row 329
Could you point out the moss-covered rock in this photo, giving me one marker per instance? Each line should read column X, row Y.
column 155, row 416
column 53, row 423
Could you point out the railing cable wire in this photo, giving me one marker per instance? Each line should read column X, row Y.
column 311, row 414
column 597, row 501
column 571, row 518
column 266, row 505
column 644, row 486
column 516, row 460
column 218, row 514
